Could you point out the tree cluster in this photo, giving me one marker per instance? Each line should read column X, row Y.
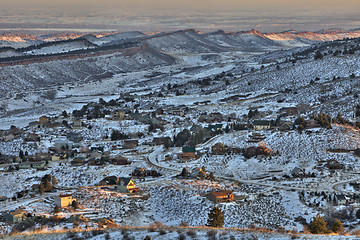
column 117, row 135
column 48, row 183
column 319, row 226
column 324, row 120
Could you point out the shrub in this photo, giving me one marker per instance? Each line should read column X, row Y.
column 318, row 225
column 216, row 218
column 337, row 227
column 191, row 233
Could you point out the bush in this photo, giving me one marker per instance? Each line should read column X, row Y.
column 216, row 218
column 318, row 225
column 211, row 234
column 337, row 227
column 182, row 237
column 191, row 233
column 97, row 232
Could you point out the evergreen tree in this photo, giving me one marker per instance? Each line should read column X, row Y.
column 41, row 188
column 184, row 173
column 318, row 225
column 318, row 55
column 57, row 209
column 202, row 175
column 216, row 218
column 54, row 181
column 21, row 154
column 75, row 204
column 211, row 176
column 337, row 226
column 47, row 186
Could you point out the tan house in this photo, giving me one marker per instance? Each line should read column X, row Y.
column 262, row 125
column 9, row 137
column 43, row 120
column 15, row 216
column 118, row 115
column 126, row 185
column 222, row 196
column 77, row 124
column 218, row 149
column 63, row 200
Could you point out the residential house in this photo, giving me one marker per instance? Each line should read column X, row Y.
column 138, row 172
column 78, row 160
column 258, row 151
column 285, row 126
column 32, row 137
column 61, row 145
column 298, row 172
column 77, row 124
column 162, row 141
column 120, row 161
column 74, row 137
column 341, row 199
column 9, row 137
column 221, row 196
column 110, row 180
column 38, row 165
column 15, row 216
column 130, row 144
column 126, row 185
column 215, row 127
column 218, row 149
column 24, row 165
column 6, row 159
column 43, row 157
column 64, row 200
column 261, row 125
column 188, row 153
column 312, row 123
column 289, row 111
column 55, row 158
column 118, row 115
column 43, row 120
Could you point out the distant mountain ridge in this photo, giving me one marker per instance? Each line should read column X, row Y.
column 7, row 38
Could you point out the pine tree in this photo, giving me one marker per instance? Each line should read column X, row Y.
column 75, row 204
column 337, row 226
column 211, row 176
column 54, row 181
column 216, row 218
column 21, row 154
column 184, row 173
column 47, row 186
column 202, row 175
column 357, row 214
column 41, row 188
column 318, row 225
column 57, row 209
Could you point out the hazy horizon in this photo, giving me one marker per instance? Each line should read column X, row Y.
column 161, row 15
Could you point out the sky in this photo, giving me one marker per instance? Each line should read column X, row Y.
column 157, row 15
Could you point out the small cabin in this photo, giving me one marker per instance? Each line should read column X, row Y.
column 221, row 196
column 64, row 200
column 126, row 185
